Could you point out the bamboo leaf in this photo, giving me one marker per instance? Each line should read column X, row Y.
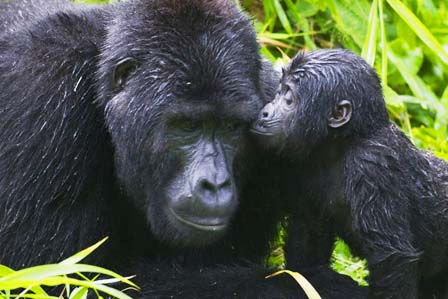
column 19, row 279
column 82, row 254
column 5, row 271
column 79, row 293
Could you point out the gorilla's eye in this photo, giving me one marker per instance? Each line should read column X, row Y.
column 190, row 125
column 122, row 71
column 185, row 125
column 289, row 100
column 182, row 126
column 232, row 126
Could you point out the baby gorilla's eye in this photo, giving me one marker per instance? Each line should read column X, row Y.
column 289, row 98
column 232, row 126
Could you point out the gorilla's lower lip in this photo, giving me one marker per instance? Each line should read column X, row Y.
column 261, row 132
column 215, row 226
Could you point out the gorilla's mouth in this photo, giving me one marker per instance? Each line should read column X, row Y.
column 203, row 224
column 266, row 128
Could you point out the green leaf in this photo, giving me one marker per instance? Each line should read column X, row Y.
column 412, row 56
column 282, row 16
column 384, row 45
column 21, row 279
column 31, row 296
column 415, row 83
column 419, row 28
column 79, row 293
column 56, row 281
column 350, row 17
column 5, row 271
column 82, row 254
column 369, row 49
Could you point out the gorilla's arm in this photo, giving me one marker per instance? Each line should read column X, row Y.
column 165, row 280
column 309, row 241
column 53, row 147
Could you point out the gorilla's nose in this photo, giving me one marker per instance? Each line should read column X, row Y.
column 215, row 193
column 212, row 185
column 266, row 120
column 211, row 206
column 266, row 113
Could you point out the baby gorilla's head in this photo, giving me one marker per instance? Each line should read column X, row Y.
column 325, row 96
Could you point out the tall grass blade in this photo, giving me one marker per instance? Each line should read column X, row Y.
column 369, row 48
column 384, row 45
column 419, row 28
column 282, row 16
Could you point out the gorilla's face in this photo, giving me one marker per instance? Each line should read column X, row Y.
column 181, row 102
column 200, row 197
column 277, row 118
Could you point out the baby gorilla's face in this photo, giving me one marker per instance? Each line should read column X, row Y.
column 276, row 119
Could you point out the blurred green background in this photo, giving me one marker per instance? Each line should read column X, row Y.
column 406, row 41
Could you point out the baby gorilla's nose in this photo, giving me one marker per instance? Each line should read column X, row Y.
column 266, row 113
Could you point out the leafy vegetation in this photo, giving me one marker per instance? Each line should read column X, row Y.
column 67, row 275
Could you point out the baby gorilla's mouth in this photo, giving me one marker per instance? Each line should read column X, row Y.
column 272, row 128
column 266, row 128
column 213, row 224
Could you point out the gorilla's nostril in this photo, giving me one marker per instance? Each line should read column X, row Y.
column 208, row 186
column 226, row 184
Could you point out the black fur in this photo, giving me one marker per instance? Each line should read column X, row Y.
column 364, row 181
column 79, row 161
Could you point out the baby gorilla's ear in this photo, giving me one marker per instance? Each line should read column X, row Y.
column 340, row 115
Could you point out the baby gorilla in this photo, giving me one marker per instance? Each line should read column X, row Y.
column 383, row 196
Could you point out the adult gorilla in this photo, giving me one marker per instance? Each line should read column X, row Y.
column 130, row 121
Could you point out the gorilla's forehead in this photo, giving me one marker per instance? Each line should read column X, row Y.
column 197, row 54
column 190, row 34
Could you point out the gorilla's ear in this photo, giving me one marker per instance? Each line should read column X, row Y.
column 123, row 69
column 340, row 115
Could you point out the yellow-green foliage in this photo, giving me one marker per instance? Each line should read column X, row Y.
column 69, row 274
